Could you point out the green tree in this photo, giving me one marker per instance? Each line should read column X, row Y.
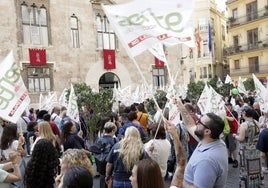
column 160, row 97
column 195, row 89
column 92, row 105
column 223, row 89
column 249, row 84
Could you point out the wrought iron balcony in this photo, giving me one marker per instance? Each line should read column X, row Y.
column 250, row 17
column 236, row 49
column 245, row 70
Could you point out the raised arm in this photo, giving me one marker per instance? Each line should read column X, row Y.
column 14, row 164
column 177, row 179
column 187, row 119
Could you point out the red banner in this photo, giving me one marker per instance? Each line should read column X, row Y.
column 158, row 63
column 109, row 59
column 37, row 57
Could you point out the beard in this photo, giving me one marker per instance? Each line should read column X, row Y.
column 199, row 133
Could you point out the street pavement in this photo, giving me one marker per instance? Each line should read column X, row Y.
column 232, row 181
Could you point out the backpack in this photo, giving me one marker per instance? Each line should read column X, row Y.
column 101, row 149
column 226, row 129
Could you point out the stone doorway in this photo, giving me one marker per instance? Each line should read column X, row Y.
column 109, row 80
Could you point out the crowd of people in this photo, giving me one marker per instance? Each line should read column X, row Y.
column 137, row 149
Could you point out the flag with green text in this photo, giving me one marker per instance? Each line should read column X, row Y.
column 14, row 98
column 140, row 24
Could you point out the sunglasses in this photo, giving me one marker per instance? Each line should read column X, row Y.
column 199, row 122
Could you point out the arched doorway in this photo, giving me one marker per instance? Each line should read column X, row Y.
column 109, row 80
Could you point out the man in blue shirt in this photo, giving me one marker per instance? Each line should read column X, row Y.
column 127, row 123
column 208, row 166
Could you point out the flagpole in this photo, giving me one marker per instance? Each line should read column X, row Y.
column 143, row 78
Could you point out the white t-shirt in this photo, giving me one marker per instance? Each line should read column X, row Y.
column 56, row 119
column 12, row 148
column 160, row 153
column 3, row 176
column 22, row 124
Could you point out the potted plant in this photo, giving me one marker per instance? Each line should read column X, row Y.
column 231, row 19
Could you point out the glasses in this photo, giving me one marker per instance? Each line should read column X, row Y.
column 199, row 122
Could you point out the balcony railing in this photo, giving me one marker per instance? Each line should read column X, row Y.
column 236, row 49
column 247, row 70
column 230, row 1
column 253, row 16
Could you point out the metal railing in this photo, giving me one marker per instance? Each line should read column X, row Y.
column 250, row 17
column 230, row 1
column 236, row 49
column 245, row 70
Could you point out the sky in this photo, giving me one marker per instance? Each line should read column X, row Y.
column 221, row 5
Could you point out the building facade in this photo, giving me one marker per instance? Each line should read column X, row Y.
column 248, row 36
column 206, row 61
column 56, row 43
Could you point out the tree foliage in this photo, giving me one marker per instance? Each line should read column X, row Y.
column 249, row 84
column 223, row 89
column 195, row 89
column 92, row 105
column 160, row 97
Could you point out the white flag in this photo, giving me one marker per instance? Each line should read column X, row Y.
column 158, row 51
column 171, row 91
column 228, row 80
column 140, row 24
column 219, row 83
column 241, row 87
column 72, row 109
column 203, row 101
column 216, row 102
column 63, row 99
column 174, row 113
column 14, row 98
column 261, row 94
column 41, row 102
column 210, row 101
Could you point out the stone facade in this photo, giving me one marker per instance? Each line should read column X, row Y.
column 73, row 65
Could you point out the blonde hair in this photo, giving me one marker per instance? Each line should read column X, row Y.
column 46, row 132
column 131, row 147
column 77, row 157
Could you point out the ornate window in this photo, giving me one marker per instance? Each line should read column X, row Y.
column 37, row 78
column 34, row 24
column 75, row 31
column 106, row 38
column 159, row 76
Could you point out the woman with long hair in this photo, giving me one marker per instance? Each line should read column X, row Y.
column 69, row 138
column 146, row 174
column 42, row 167
column 9, row 141
column 122, row 158
column 44, row 132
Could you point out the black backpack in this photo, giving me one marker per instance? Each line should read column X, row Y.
column 101, row 149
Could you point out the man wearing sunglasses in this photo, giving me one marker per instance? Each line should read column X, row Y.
column 208, row 166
